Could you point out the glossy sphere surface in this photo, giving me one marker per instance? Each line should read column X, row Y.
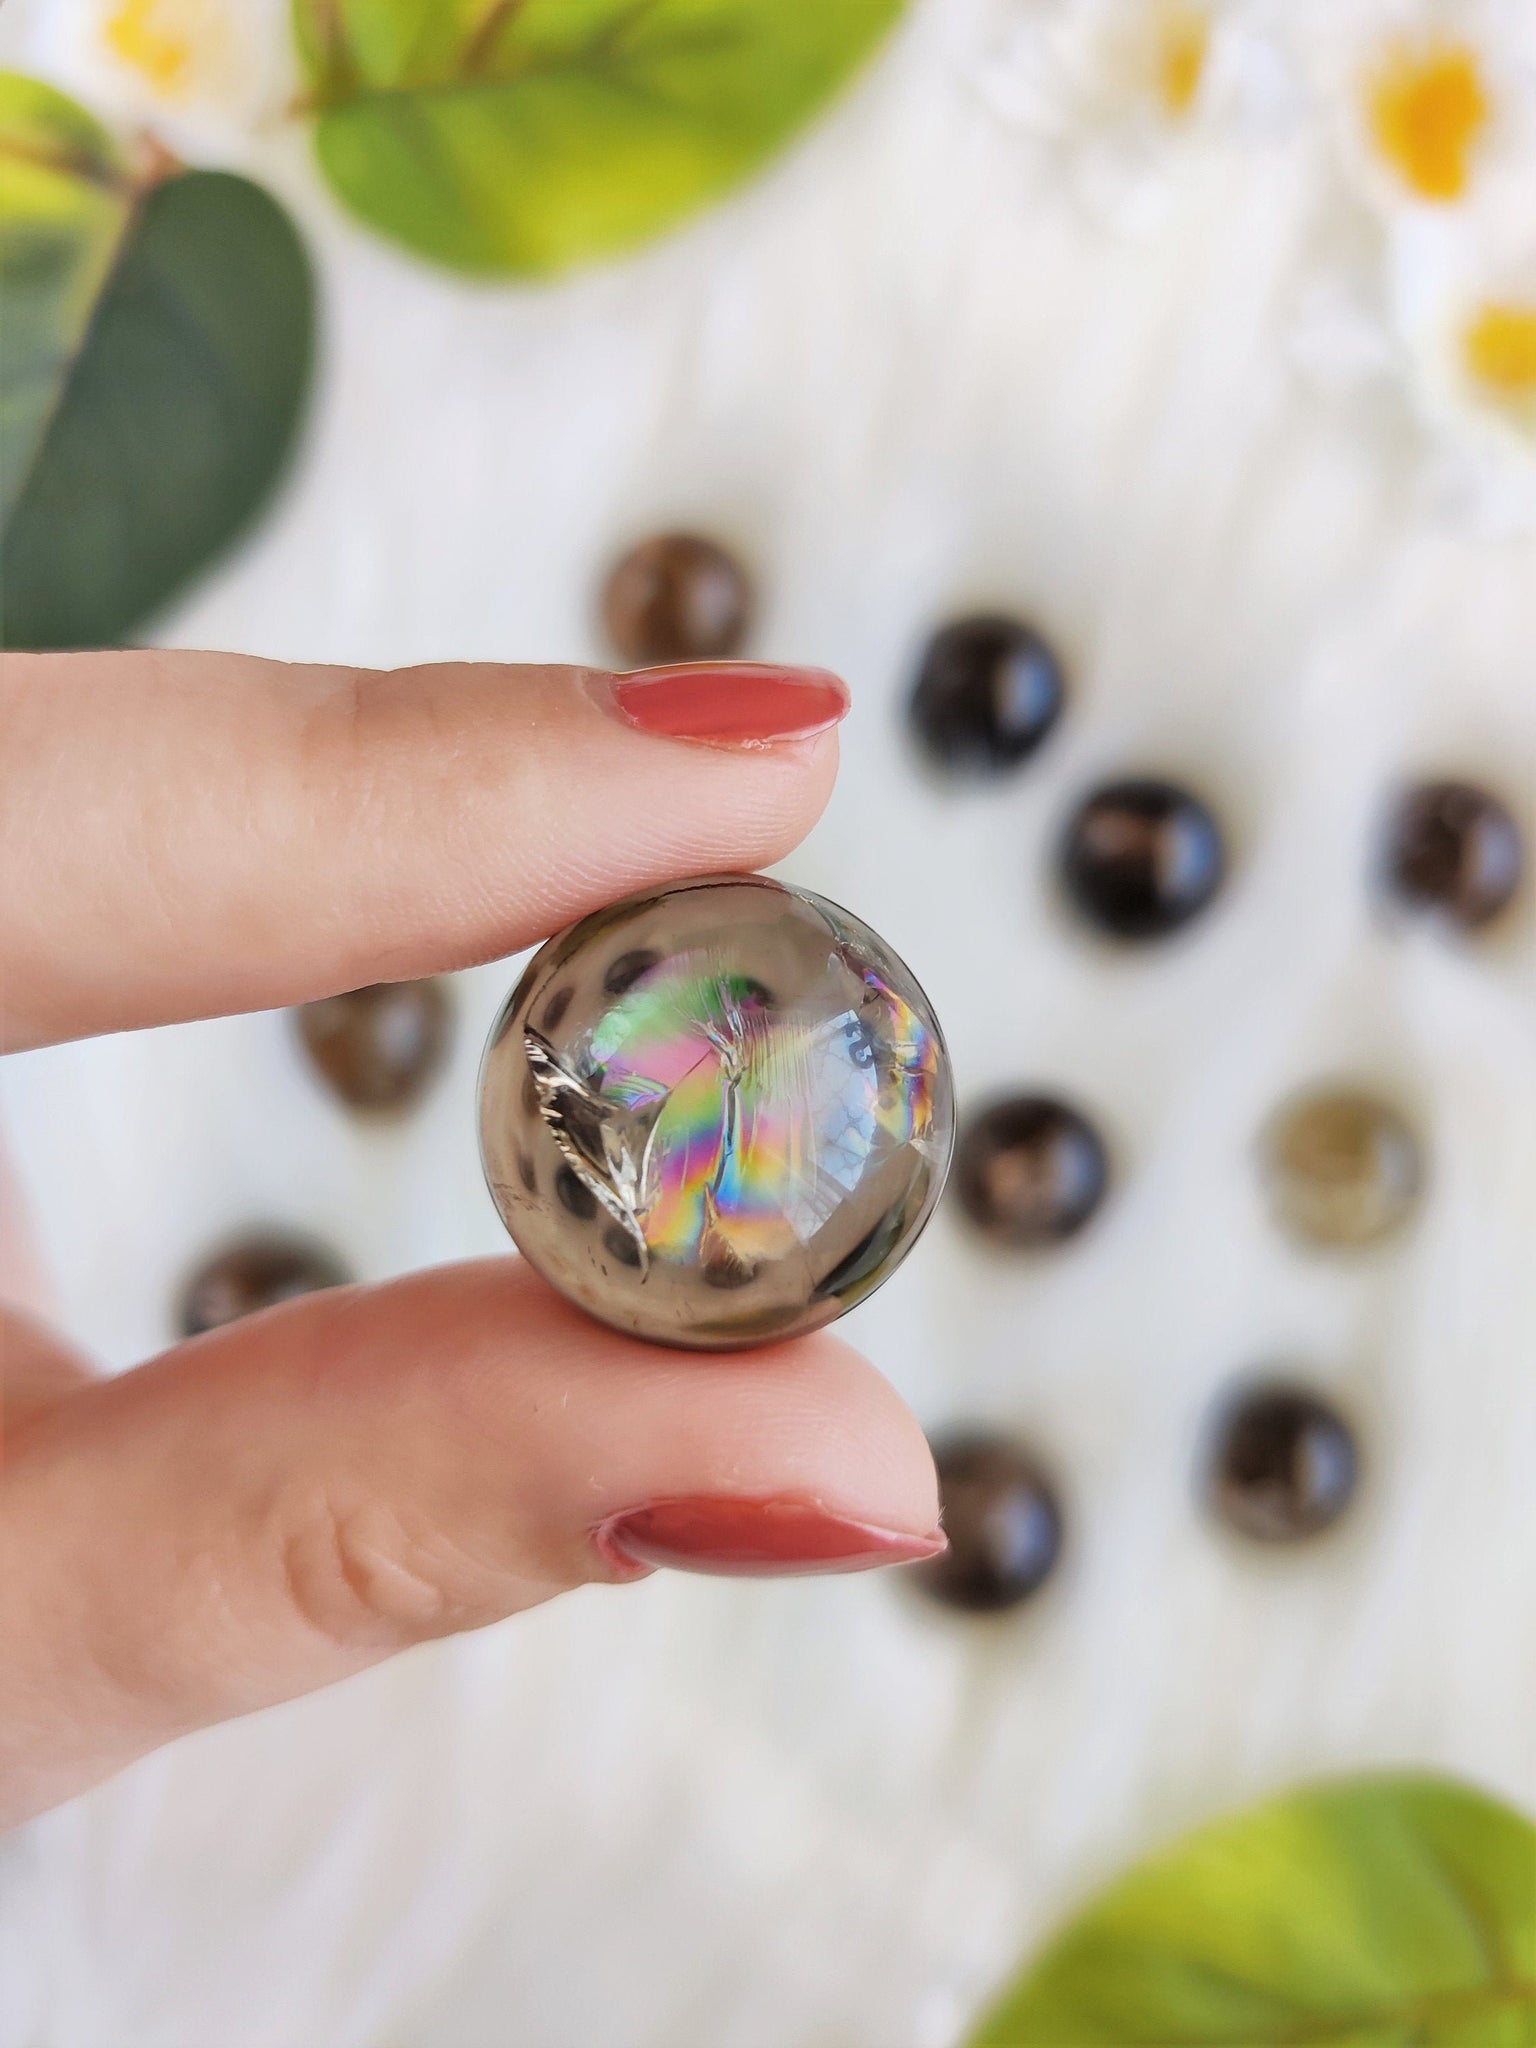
column 988, row 692
column 378, row 1048
column 1342, row 1168
column 1030, row 1171
column 1455, row 849
column 253, row 1273
column 718, row 1114
column 1141, row 858
column 1284, row 1465
column 1003, row 1520
column 676, row 597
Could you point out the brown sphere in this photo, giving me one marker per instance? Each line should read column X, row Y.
column 1454, row 849
column 1030, row 1171
column 676, row 597
column 988, row 692
column 1003, row 1519
column 1141, row 858
column 256, row 1272
column 1283, row 1465
column 1341, row 1167
column 379, row 1048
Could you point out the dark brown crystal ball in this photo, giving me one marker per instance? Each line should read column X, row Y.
column 1341, row 1167
column 1141, row 858
column 379, row 1048
column 256, row 1272
column 676, row 597
column 1454, row 849
column 987, row 693
column 1003, row 1519
column 1030, row 1171
column 1283, row 1464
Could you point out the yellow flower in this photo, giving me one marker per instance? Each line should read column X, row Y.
column 1183, row 39
column 1428, row 109
column 172, row 44
column 1499, row 350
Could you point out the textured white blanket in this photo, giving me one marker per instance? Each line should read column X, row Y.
column 1175, row 389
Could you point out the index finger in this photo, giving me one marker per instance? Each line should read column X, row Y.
column 186, row 834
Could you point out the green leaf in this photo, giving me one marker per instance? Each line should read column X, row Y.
column 157, row 345
column 1391, row 1912
column 64, row 204
column 526, row 135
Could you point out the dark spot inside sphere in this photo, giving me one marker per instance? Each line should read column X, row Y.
column 574, row 1194
column 629, row 968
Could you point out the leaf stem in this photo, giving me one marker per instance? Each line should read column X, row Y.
column 481, row 41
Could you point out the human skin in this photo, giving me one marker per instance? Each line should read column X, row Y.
column 294, row 1497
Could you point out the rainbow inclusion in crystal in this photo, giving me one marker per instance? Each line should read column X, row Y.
column 717, row 1115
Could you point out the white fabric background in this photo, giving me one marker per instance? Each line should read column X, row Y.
column 908, row 371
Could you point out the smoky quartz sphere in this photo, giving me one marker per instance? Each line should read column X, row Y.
column 1284, row 1464
column 1003, row 1520
column 718, row 1114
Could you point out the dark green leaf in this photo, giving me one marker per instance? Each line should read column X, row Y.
column 157, row 346
column 526, row 135
column 1392, row 1912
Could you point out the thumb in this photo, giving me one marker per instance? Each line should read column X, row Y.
column 287, row 1500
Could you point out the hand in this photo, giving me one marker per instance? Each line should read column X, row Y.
column 296, row 1496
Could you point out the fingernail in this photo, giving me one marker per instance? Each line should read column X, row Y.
column 728, row 703
column 756, row 1539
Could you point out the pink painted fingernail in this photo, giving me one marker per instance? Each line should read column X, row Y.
column 729, row 703
column 756, row 1538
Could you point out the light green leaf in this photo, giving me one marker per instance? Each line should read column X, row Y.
column 157, row 345
column 526, row 135
column 64, row 205
column 1391, row 1912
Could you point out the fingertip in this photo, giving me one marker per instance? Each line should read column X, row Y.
column 795, row 784
column 618, row 1421
column 867, row 1428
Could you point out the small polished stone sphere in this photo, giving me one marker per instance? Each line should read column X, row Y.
column 1141, row 858
column 987, row 693
column 1454, row 849
column 1341, row 1168
column 676, row 597
column 256, row 1272
column 1030, row 1171
column 1283, row 1464
column 717, row 1114
column 1003, row 1519
column 379, row 1048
